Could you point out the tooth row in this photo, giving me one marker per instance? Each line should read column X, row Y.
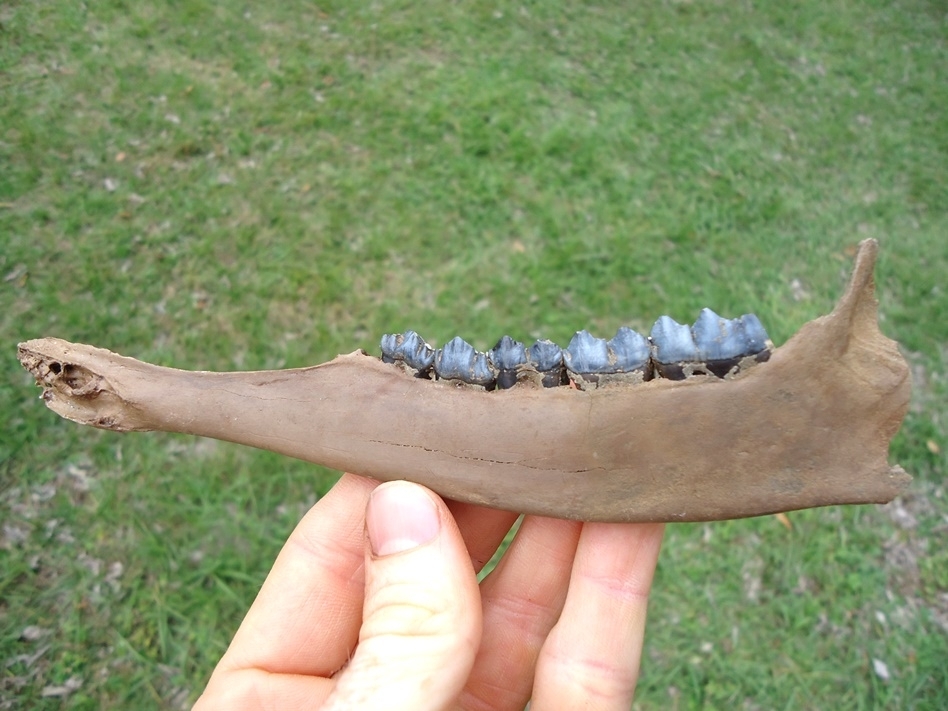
column 712, row 346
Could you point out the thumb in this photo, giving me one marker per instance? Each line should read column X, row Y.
column 422, row 614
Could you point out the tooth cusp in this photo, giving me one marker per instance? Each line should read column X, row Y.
column 458, row 360
column 713, row 345
column 389, row 345
column 756, row 339
column 547, row 359
column 587, row 355
column 631, row 352
column 409, row 350
column 718, row 338
column 672, row 345
column 506, row 358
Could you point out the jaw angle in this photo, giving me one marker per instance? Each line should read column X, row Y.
column 700, row 423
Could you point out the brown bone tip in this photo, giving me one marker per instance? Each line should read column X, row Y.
column 810, row 427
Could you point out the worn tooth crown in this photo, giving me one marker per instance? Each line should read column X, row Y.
column 673, row 342
column 629, row 350
column 546, row 355
column 587, row 354
column 547, row 358
column 389, row 345
column 755, row 336
column 506, row 357
column 719, row 338
column 507, row 354
column 458, row 360
column 415, row 351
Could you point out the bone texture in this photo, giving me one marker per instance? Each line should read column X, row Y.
column 810, row 427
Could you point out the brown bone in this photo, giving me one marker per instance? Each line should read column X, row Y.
column 809, row 428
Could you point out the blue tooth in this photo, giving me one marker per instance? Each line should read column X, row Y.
column 754, row 334
column 459, row 361
column 455, row 359
column 587, row 354
column 481, row 373
column 389, row 344
column 630, row 350
column 546, row 356
column 415, row 351
column 507, row 354
column 673, row 341
column 718, row 338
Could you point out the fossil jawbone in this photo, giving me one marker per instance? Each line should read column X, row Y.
column 809, row 428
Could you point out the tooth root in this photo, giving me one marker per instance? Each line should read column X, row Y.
column 506, row 357
column 458, row 360
column 547, row 358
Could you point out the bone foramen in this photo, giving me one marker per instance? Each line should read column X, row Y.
column 809, row 427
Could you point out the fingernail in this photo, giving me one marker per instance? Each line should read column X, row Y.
column 400, row 516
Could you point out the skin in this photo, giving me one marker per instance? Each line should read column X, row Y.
column 373, row 603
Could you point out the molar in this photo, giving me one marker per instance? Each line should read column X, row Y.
column 595, row 362
column 630, row 352
column 756, row 336
column 672, row 345
column 718, row 338
column 586, row 357
column 724, row 344
column 458, row 360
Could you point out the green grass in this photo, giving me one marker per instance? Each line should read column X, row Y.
column 223, row 185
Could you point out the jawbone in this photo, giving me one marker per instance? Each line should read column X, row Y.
column 810, row 427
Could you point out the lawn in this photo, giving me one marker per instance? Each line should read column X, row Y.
column 233, row 186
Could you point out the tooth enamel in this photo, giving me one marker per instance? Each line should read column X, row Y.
column 718, row 338
column 587, row 354
column 481, row 372
column 507, row 354
column 754, row 334
column 389, row 344
column 459, row 361
column 415, row 352
column 672, row 342
column 547, row 358
column 546, row 355
column 505, row 357
column 629, row 350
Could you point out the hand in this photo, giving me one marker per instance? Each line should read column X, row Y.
column 373, row 603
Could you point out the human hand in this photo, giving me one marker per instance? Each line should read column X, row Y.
column 373, row 603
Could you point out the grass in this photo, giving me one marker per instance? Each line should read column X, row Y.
column 231, row 186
